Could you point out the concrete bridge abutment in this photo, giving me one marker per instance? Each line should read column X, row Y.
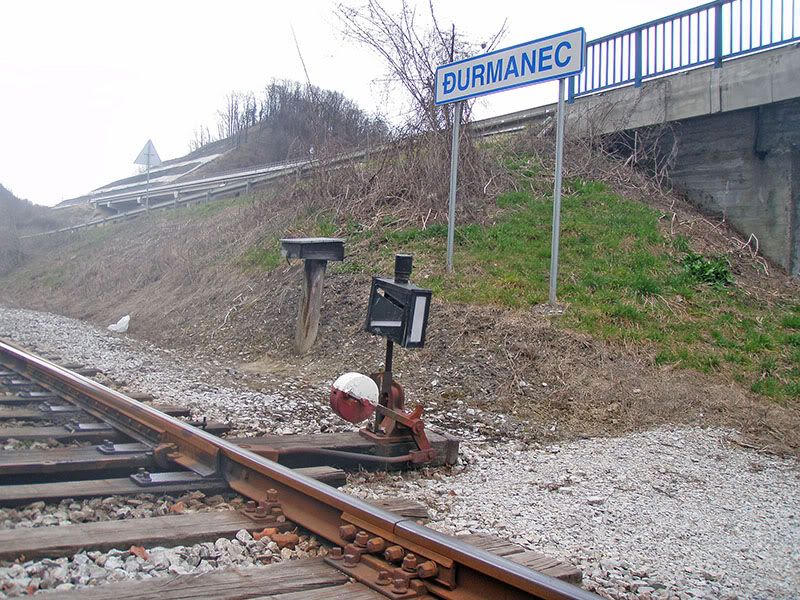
column 745, row 166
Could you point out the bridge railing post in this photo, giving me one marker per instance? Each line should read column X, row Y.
column 718, row 35
column 571, row 90
column 637, row 82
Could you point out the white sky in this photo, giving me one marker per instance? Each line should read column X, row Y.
column 84, row 84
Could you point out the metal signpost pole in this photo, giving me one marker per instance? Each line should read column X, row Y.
column 557, row 193
column 453, row 177
column 149, row 158
column 147, row 192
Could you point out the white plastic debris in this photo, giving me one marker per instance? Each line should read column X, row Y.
column 121, row 326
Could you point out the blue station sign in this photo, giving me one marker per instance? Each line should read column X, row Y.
column 552, row 57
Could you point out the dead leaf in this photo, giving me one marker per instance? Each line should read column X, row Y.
column 286, row 540
column 140, row 552
column 268, row 532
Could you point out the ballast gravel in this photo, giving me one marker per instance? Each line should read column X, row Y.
column 670, row 513
column 654, row 515
column 113, row 508
column 96, row 568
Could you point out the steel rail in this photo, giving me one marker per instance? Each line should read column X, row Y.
column 464, row 571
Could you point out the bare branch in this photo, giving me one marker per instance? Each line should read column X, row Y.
column 411, row 54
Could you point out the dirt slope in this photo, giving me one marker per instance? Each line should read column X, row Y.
column 181, row 278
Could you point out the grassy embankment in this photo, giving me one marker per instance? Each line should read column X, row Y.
column 622, row 278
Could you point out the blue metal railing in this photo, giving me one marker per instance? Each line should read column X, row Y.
column 702, row 35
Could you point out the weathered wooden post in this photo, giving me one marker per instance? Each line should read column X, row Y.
column 315, row 252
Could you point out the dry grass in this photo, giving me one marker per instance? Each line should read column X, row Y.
column 407, row 184
column 190, row 279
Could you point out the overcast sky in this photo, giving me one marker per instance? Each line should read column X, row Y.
column 83, row 85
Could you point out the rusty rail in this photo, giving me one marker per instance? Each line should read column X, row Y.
column 436, row 565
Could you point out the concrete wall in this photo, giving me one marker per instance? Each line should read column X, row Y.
column 745, row 166
column 795, row 215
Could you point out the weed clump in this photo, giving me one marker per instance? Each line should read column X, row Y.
column 714, row 271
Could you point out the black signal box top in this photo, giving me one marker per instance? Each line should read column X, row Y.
column 399, row 312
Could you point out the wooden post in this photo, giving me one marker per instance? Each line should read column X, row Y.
column 310, row 304
column 315, row 252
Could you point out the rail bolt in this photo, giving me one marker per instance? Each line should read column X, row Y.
column 276, row 511
column 348, row 532
column 394, row 554
column 250, row 506
column 410, row 563
column 384, row 578
column 376, row 545
column 427, row 569
column 335, row 553
column 272, row 495
column 362, row 537
column 400, row 583
column 417, row 586
column 351, row 559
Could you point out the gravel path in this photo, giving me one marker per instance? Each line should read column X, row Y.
column 658, row 512
column 669, row 513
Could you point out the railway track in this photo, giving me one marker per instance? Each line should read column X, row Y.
column 108, row 444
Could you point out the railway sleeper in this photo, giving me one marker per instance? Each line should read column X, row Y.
column 396, row 577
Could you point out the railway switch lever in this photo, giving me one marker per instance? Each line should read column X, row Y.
column 398, row 311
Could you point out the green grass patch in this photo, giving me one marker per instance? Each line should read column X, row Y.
column 54, row 278
column 769, row 386
column 204, row 210
column 435, row 231
column 791, row 322
column 96, row 236
column 351, row 267
column 266, row 256
column 325, row 226
column 623, row 279
column 513, row 199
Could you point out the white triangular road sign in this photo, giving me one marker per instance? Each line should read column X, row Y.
column 148, row 156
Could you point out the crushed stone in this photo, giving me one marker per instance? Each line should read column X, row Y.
column 669, row 513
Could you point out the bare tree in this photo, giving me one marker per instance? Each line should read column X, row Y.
column 228, row 119
column 292, row 118
column 202, row 137
column 411, row 53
